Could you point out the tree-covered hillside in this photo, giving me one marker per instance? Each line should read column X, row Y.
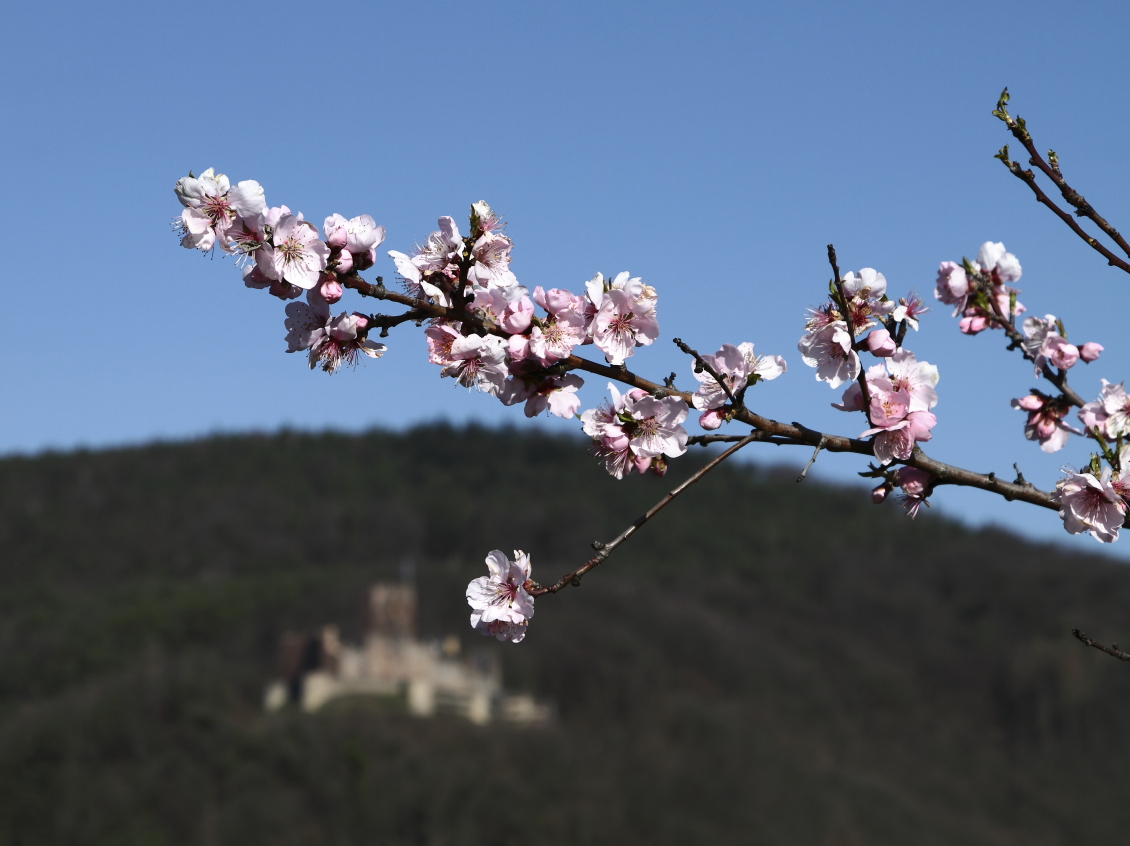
column 767, row 663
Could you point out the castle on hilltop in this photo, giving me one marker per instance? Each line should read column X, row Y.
column 432, row 676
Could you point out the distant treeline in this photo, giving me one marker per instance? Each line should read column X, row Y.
column 769, row 663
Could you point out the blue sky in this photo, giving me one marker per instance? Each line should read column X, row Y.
column 713, row 149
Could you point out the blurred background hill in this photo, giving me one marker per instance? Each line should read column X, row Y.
column 768, row 663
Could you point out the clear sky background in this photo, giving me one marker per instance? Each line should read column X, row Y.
column 712, row 148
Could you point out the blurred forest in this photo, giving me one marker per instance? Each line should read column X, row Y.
column 768, row 663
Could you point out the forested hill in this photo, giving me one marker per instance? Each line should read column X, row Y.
column 767, row 663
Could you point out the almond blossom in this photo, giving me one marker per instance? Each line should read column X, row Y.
column 331, row 341
column 635, row 430
column 828, row 349
column 1110, row 413
column 478, row 362
column 295, row 254
column 917, row 378
column 953, row 286
column 1045, row 421
column 353, row 242
column 1090, row 504
column 622, row 323
column 211, row 206
column 501, row 607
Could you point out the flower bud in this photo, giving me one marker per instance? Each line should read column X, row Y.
column 912, row 480
column 712, row 418
column 880, row 494
column 881, row 344
column 1090, row 351
column 330, row 289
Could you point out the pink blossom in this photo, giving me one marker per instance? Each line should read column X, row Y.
column 712, row 418
column 995, row 260
column 354, row 241
column 478, row 362
column 909, row 309
column 762, row 367
column 867, row 284
column 897, row 440
column 973, row 321
column 557, row 395
column 211, row 207
column 1087, row 504
column 635, row 426
column 554, row 338
column 331, row 341
column 492, row 262
column 731, row 365
column 1116, row 408
column 852, row 399
column 917, row 378
column 913, row 481
column 828, row 349
column 440, row 336
column 879, row 494
column 500, row 604
column 621, row 324
column 881, row 344
column 953, row 286
column 1059, row 353
column 296, row 254
column 253, row 278
column 1090, row 351
column 1045, row 421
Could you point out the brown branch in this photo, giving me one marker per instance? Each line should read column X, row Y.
column 772, row 431
column 1111, row 650
column 606, row 549
column 1019, row 130
column 845, row 306
column 702, row 364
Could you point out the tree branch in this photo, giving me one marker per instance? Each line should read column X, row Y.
column 606, row 549
column 1111, row 650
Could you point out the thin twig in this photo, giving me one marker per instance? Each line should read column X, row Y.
column 606, row 549
column 1111, row 650
column 1019, row 130
column 815, row 453
column 845, row 307
column 702, row 364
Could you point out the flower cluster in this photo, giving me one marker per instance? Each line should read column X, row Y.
column 979, row 290
column 636, row 431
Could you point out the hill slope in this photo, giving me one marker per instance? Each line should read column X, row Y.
column 767, row 663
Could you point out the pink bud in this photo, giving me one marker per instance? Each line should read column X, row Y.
column 879, row 494
column 1090, row 351
column 518, row 316
column 912, row 480
column 519, row 347
column 362, row 321
column 972, row 323
column 712, row 418
column 1060, row 353
column 642, row 463
column 330, row 288
column 1028, row 403
column 344, row 262
column 659, row 466
column 881, row 344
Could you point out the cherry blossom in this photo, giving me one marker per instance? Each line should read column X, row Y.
column 953, row 287
column 331, row 341
column 1045, row 421
column 1110, row 412
column 917, row 378
column 909, row 309
column 296, row 254
column 353, row 242
column 478, row 362
column 622, row 323
column 211, row 206
column 636, row 428
column 994, row 260
column 1090, row 504
column 1090, row 351
column 828, row 349
column 501, row 607
column 881, row 344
